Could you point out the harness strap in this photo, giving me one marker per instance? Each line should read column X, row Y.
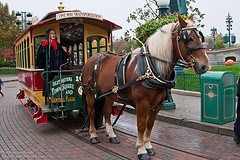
column 120, row 70
column 120, row 113
column 190, row 50
column 115, row 88
column 168, row 83
column 179, row 63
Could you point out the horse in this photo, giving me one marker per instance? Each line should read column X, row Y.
column 142, row 79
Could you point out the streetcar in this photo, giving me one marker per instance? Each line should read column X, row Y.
column 81, row 33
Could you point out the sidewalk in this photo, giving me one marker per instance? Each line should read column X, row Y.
column 187, row 112
column 9, row 77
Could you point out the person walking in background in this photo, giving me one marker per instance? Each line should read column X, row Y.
column 50, row 49
column 237, row 122
column 1, row 84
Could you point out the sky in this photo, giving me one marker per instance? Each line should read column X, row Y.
column 117, row 11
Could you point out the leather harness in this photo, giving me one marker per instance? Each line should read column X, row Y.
column 147, row 75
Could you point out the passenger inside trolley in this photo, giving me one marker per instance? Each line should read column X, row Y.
column 50, row 57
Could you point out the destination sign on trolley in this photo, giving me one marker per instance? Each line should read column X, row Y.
column 78, row 15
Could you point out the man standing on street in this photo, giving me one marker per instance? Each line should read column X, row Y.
column 237, row 122
column 1, row 84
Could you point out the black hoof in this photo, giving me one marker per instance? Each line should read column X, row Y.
column 114, row 140
column 150, row 152
column 94, row 140
column 143, row 157
column 236, row 139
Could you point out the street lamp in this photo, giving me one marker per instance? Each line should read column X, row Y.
column 214, row 32
column 229, row 22
column 60, row 7
column 23, row 19
column 163, row 6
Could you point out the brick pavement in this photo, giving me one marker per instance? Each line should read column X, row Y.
column 213, row 146
column 21, row 138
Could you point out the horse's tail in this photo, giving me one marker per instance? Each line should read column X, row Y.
column 85, row 112
column 98, row 118
column 98, row 106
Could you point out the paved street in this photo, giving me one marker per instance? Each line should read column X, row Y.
column 21, row 138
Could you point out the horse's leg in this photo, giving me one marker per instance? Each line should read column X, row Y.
column 142, row 113
column 109, row 129
column 147, row 134
column 91, row 112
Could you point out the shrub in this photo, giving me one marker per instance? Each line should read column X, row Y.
column 150, row 27
column 7, row 64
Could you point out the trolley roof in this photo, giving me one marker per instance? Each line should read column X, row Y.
column 71, row 17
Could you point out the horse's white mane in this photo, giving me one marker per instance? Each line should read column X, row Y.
column 160, row 45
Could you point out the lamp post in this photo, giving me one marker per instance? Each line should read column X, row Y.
column 214, row 32
column 61, row 7
column 23, row 19
column 163, row 6
column 229, row 22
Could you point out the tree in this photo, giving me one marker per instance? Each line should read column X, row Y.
column 219, row 42
column 121, row 46
column 148, row 28
column 148, row 19
column 209, row 42
column 195, row 12
column 8, row 55
column 8, row 29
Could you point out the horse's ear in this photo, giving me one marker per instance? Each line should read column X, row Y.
column 191, row 17
column 182, row 23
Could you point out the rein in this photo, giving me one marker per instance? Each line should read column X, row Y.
column 179, row 63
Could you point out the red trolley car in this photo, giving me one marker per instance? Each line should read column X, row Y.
column 84, row 34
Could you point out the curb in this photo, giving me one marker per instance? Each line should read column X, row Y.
column 203, row 126
column 10, row 80
column 184, row 92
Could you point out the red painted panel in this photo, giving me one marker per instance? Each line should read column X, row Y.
column 38, row 81
column 28, row 80
column 31, row 79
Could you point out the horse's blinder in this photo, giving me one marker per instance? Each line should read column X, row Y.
column 184, row 36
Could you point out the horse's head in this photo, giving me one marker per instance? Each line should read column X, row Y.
column 190, row 48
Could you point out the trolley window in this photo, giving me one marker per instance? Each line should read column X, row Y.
column 96, row 44
column 37, row 42
column 28, row 52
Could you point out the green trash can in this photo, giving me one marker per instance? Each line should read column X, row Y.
column 218, row 97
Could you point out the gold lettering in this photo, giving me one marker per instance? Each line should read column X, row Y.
column 70, row 99
column 54, row 100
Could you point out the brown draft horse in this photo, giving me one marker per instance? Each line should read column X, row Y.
column 146, row 90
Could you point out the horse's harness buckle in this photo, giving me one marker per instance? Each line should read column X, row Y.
column 114, row 89
column 148, row 74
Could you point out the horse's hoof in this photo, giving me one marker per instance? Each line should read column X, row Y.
column 114, row 140
column 150, row 152
column 143, row 157
column 94, row 140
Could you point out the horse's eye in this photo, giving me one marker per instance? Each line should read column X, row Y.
column 191, row 39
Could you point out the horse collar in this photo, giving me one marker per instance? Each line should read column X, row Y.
column 149, row 76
